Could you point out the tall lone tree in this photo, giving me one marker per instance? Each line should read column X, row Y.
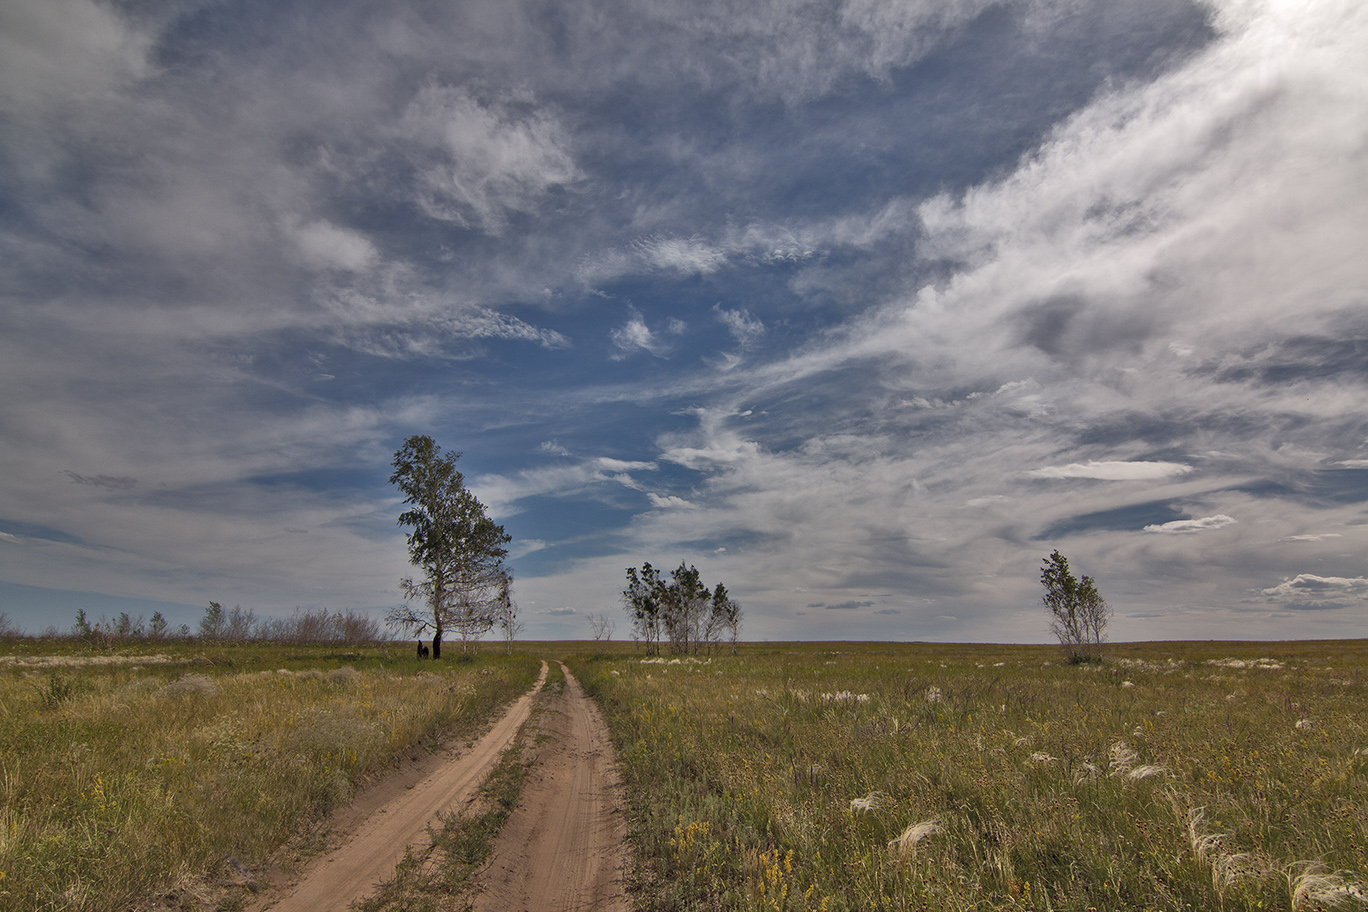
column 1078, row 612
column 459, row 549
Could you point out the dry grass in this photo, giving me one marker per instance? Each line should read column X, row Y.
column 1049, row 786
column 123, row 779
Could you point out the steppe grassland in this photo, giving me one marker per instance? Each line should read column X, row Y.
column 844, row 777
column 124, row 774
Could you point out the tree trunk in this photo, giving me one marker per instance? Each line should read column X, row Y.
column 437, row 646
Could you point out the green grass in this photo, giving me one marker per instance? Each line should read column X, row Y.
column 1173, row 776
column 130, row 772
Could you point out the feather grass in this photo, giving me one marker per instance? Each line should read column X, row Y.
column 905, row 846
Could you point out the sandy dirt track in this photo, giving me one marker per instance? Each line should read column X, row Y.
column 368, row 858
column 563, row 849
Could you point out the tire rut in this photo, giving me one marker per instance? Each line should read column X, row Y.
column 332, row 882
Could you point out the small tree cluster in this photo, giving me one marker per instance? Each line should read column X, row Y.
column 679, row 609
column 220, row 624
column 124, row 628
column 1078, row 612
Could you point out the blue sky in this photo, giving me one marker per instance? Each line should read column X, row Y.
column 861, row 307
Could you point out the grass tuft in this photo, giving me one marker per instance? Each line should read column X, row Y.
column 905, row 845
column 1313, row 887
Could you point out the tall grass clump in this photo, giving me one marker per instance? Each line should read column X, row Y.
column 886, row 776
column 146, row 778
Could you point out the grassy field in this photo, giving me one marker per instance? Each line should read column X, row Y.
column 882, row 776
column 164, row 770
column 789, row 777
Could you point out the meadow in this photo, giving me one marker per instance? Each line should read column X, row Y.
column 158, row 773
column 1228, row 776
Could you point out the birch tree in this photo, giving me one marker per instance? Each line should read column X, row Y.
column 455, row 544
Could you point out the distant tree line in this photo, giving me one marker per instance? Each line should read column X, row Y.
column 225, row 625
column 679, row 610
column 317, row 625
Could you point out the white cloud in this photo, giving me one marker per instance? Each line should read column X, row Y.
column 1188, row 526
column 635, row 336
column 1311, row 537
column 798, row 49
column 12, row 539
column 1310, row 591
column 744, row 327
column 480, row 161
column 667, row 502
column 623, row 465
column 522, row 547
column 1115, row 471
column 324, row 245
column 687, row 256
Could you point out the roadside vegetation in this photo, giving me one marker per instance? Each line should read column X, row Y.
column 137, row 772
column 883, row 776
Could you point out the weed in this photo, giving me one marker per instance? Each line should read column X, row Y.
column 60, row 688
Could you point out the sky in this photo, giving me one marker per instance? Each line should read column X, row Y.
column 862, row 307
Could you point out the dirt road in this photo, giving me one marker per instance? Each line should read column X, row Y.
column 561, row 850
column 563, row 847
column 368, row 858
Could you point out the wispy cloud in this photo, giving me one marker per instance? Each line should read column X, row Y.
column 478, row 161
column 635, row 336
column 1189, row 526
column 744, row 327
column 1115, row 471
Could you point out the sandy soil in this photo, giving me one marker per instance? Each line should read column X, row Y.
column 389, row 818
column 564, row 847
